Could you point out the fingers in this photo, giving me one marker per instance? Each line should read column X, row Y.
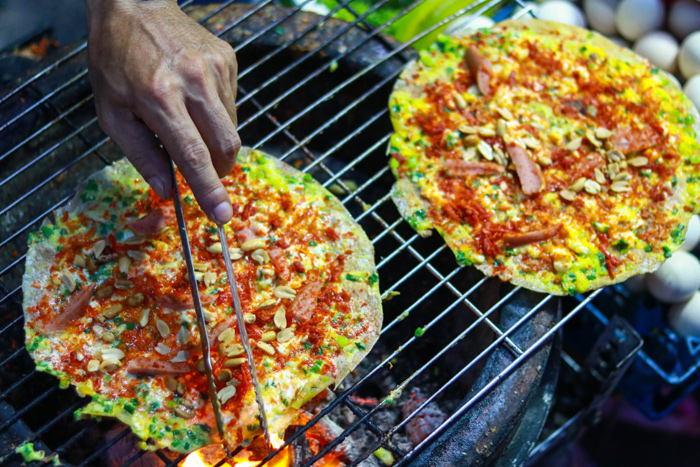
column 217, row 130
column 225, row 67
column 227, row 88
column 141, row 147
column 181, row 138
column 218, row 109
column 232, row 88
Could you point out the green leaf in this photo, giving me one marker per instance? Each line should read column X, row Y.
column 667, row 251
column 48, row 230
column 677, row 232
column 105, row 229
column 462, row 259
column 600, row 227
column 90, row 192
column 621, row 245
column 129, row 407
column 317, row 366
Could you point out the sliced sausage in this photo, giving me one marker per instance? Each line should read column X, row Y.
column 305, row 302
column 461, row 168
column 529, row 172
column 279, row 261
column 74, row 308
column 528, row 238
column 629, row 139
column 153, row 222
column 175, row 303
column 480, row 68
column 151, row 366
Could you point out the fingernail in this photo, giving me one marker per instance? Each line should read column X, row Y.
column 159, row 187
column 223, row 213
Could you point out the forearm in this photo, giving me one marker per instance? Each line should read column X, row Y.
column 95, row 7
column 98, row 10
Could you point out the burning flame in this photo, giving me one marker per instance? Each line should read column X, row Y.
column 283, row 459
column 316, row 438
column 194, row 460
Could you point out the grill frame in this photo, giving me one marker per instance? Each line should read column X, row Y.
column 388, row 229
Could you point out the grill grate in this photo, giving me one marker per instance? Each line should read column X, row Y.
column 49, row 138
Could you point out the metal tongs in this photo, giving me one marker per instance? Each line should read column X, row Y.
column 244, row 335
column 202, row 326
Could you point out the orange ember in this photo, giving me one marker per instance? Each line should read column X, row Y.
column 317, row 437
column 242, row 459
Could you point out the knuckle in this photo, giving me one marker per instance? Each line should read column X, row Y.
column 234, row 95
column 194, row 69
column 226, row 49
column 219, row 62
column 223, row 57
column 229, row 149
column 234, row 145
column 160, row 89
column 229, row 54
column 195, row 154
column 105, row 126
column 140, row 161
column 105, row 118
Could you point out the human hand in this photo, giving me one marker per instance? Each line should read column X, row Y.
column 154, row 71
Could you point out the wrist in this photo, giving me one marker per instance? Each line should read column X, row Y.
column 97, row 9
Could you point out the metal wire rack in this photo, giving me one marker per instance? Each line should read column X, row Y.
column 49, row 137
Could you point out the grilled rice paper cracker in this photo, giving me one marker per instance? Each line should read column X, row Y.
column 545, row 154
column 123, row 331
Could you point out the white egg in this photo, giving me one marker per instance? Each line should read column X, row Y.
column 684, row 317
column 677, row 279
column 601, row 15
column 460, row 24
column 635, row 17
column 636, row 284
column 660, row 48
column 692, row 90
column 684, row 17
column 619, row 41
column 562, row 12
column 692, row 233
column 689, row 56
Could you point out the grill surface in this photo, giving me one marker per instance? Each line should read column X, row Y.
column 312, row 91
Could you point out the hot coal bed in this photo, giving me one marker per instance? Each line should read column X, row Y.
column 461, row 357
